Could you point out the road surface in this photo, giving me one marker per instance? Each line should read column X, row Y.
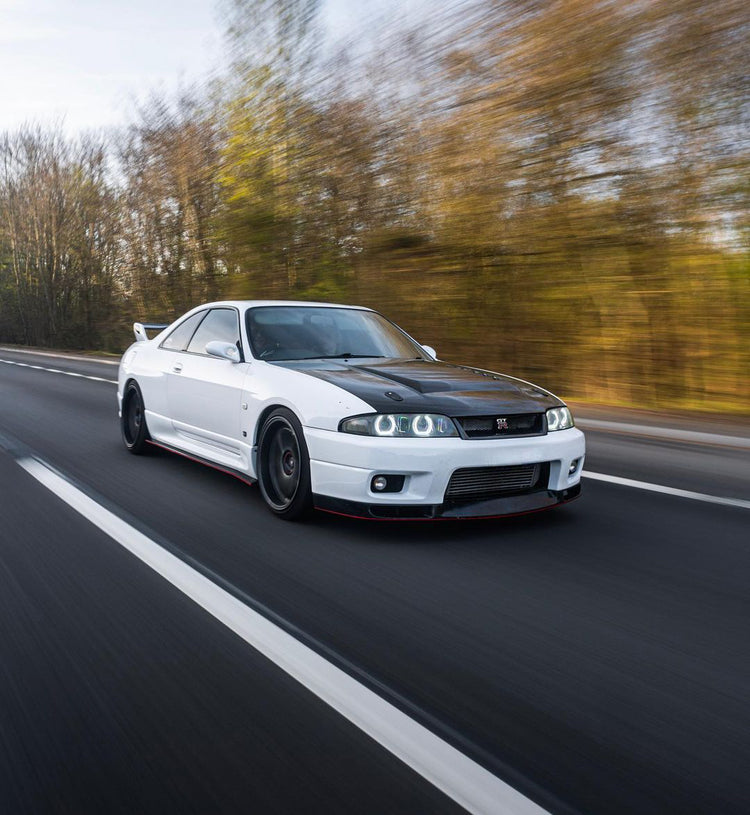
column 594, row 659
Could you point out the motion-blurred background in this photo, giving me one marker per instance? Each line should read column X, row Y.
column 557, row 189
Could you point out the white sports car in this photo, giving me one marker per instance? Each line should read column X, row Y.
column 335, row 407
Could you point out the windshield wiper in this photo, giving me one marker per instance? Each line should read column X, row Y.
column 346, row 356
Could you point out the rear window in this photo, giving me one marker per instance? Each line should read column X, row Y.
column 178, row 338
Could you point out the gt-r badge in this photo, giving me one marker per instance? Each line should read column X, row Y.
column 502, row 424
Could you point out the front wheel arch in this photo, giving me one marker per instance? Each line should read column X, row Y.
column 264, row 414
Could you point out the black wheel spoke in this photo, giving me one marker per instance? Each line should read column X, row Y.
column 282, row 467
column 282, row 462
column 133, row 422
column 135, row 417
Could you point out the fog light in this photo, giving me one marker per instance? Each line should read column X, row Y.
column 388, row 482
column 573, row 466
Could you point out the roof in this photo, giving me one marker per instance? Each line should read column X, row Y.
column 256, row 303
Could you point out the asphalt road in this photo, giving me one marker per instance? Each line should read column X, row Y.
column 596, row 658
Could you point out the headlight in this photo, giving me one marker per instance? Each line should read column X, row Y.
column 559, row 419
column 400, row 425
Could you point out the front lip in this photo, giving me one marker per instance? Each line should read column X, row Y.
column 422, row 386
column 497, row 507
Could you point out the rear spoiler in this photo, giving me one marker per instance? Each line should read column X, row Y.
column 140, row 329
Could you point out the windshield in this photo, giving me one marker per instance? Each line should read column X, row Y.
column 309, row 332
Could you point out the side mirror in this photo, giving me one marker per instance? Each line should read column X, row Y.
column 430, row 351
column 223, row 350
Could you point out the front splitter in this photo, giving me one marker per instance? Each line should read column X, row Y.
column 495, row 507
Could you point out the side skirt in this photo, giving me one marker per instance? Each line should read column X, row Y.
column 206, row 463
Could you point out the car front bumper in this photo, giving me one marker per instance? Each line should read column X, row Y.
column 342, row 468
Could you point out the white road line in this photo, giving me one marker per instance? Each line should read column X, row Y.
column 645, row 485
column 57, row 371
column 460, row 778
column 77, row 357
column 674, row 434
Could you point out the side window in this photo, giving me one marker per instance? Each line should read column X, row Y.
column 221, row 324
column 178, row 339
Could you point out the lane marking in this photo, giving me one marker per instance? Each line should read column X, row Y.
column 58, row 371
column 77, row 357
column 669, row 433
column 455, row 774
column 645, row 485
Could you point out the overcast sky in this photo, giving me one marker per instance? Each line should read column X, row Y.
column 85, row 61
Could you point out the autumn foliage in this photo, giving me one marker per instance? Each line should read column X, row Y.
column 557, row 190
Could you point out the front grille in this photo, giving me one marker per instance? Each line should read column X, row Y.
column 474, row 483
column 501, row 425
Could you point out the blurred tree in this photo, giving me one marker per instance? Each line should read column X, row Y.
column 555, row 189
column 265, row 161
column 169, row 159
column 555, row 144
column 58, row 238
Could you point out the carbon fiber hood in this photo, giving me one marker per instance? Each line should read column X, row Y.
column 422, row 386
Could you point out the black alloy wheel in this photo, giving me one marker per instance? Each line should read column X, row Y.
column 133, row 420
column 284, row 466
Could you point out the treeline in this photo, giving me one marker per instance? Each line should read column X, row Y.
column 558, row 190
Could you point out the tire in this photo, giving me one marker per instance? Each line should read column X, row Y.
column 133, row 421
column 284, row 466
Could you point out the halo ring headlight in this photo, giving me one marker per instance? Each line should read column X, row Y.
column 559, row 418
column 385, row 425
column 423, row 425
column 400, row 425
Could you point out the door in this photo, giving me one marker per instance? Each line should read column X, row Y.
column 204, row 393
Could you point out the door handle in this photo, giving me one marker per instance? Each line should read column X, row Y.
column 177, row 367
